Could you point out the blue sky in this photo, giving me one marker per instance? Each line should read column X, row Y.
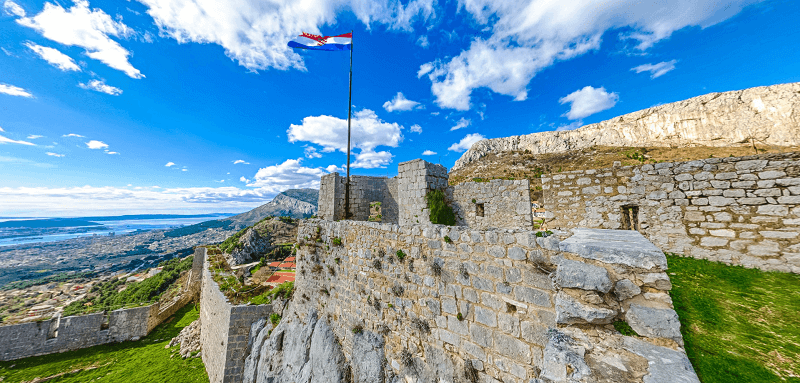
column 184, row 106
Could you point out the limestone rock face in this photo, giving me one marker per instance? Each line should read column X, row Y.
column 770, row 115
column 253, row 245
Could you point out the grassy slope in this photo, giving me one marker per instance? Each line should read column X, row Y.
column 143, row 361
column 739, row 325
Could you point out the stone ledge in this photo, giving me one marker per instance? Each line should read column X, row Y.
column 624, row 247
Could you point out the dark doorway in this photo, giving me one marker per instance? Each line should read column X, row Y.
column 479, row 209
column 630, row 217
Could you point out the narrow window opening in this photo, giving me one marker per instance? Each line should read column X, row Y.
column 106, row 319
column 630, row 218
column 479, row 209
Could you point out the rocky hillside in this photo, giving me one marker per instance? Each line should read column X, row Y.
column 295, row 203
column 767, row 115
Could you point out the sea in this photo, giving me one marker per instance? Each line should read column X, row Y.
column 27, row 235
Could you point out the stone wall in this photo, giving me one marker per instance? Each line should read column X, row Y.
column 740, row 210
column 504, row 203
column 505, row 305
column 61, row 334
column 415, row 179
column 224, row 329
column 363, row 191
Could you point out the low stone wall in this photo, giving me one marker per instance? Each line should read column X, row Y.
column 741, row 210
column 224, row 329
column 503, row 304
column 497, row 204
column 75, row 332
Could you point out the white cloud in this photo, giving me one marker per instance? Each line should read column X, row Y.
column 588, row 101
column 462, row 123
column 54, row 57
column 656, row 70
column 526, row 36
column 311, row 152
column 428, row 153
column 289, row 174
column 13, row 9
column 170, row 164
column 241, row 162
column 368, row 132
column 255, row 33
column 570, row 126
column 368, row 159
column 12, row 90
column 100, row 86
column 184, row 170
column 54, row 154
column 243, row 179
column 466, row 142
column 5, row 140
column 415, row 128
column 108, row 152
column 423, row 41
column 399, row 103
column 73, row 135
column 1, row 130
column 94, row 144
column 87, row 28
column 333, row 168
column 33, row 136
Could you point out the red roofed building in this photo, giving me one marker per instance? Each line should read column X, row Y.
column 280, row 277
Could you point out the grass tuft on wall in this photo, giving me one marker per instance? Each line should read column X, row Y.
column 739, row 325
column 440, row 212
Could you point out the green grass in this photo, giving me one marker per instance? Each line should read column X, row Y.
column 739, row 325
column 440, row 212
column 284, row 290
column 143, row 361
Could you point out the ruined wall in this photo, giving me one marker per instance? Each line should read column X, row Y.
column 740, row 210
column 483, row 303
column 331, row 197
column 505, row 203
column 224, row 329
column 363, row 191
column 415, row 179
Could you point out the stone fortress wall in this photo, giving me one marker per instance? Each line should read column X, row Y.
column 421, row 302
column 740, row 210
column 75, row 332
column 224, row 328
column 502, row 203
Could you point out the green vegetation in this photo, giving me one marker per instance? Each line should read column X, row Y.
column 440, row 212
column 624, row 328
column 106, row 296
column 232, row 243
column 275, row 319
column 284, row 290
column 196, row 228
column 739, row 325
column 544, row 233
column 337, row 241
column 400, row 255
column 61, row 277
column 447, row 239
column 143, row 361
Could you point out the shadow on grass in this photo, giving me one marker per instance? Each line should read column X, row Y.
column 145, row 360
column 739, row 325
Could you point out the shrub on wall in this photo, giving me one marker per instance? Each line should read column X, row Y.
column 440, row 212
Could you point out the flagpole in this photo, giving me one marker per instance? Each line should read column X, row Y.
column 349, row 107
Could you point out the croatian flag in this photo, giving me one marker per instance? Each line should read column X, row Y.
column 323, row 43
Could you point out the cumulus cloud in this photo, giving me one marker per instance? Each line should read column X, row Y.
column 6, row 140
column 13, row 9
column 656, row 70
column 311, row 152
column 54, row 154
column 170, row 164
column 54, row 57
column 290, row 174
column 12, row 90
column 100, row 86
column 368, row 132
column 524, row 37
column 243, row 179
column 73, row 135
column 428, row 153
column 415, row 128
column 588, row 101
column 94, row 144
column 87, row 28
column 255, row 33
column 462, row 123
column 466, row 142
column 399, row 103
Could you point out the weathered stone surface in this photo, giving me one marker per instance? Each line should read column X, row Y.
column 654, row 322
column 717, row 119
column 368, row 359
column 569, row 311
column 582, row 276
column 625, row 289
column 326, row 359
column 665, row 365
column 624, row 247
column 560, row 353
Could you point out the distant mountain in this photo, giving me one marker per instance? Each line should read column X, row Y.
column 295, row 203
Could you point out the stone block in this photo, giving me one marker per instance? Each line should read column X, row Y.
column 480, row 335
column 626, row 289
column 626, row 247
column 664, row 364
column 776, row 210
column 485, row 316
column 517, row 253
column 580, row 275
column 533, row 332
column 571, row 311
column 512, row 348
column 654, row 322
column 531, row 295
